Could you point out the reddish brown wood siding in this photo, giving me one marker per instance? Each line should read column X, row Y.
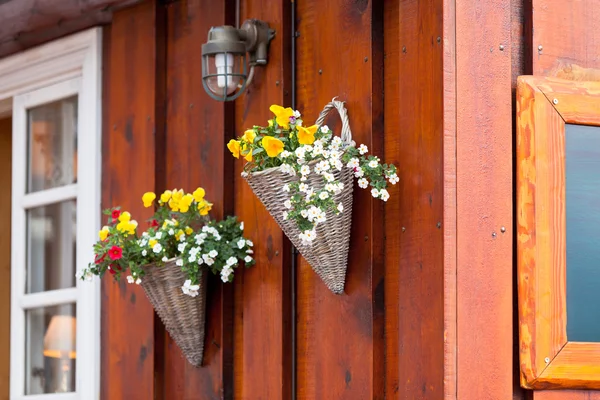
column 484, row 200
column 340, row 337
column 262, row 293
column 132, row 121
column 414, row 130
column 429, row 287
column 194, row 155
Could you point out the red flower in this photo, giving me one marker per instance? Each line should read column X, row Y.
column 99, row 259
column 115, row 214
column 153, row 223
column 115, row 253
column 114, row 268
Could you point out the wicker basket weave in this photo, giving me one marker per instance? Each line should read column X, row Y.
column 183, row 315
column 328, row 254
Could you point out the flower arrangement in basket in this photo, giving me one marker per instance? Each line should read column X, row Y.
column 304, row 177
column 170, row 259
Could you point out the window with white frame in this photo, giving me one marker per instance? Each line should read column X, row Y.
column 55, row 320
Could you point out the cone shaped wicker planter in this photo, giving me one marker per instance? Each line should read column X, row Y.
column 328, row 254
column 183, row 315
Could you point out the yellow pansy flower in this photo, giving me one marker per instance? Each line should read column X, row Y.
column 204, row 207
column 148, row 199
column 272, row 146
column 178, row 234
column 175, row 202
column 152, row 242
column 177, row 194
column 189, row 231
column 127, row 227
column 307, row 135
column 199, row 194
column 131, row 226
column 234, row 147
column 247, row 153
column 103, row 233
column 186, row 201
column 124, row 217
column 282, row 115
column 249, row 135
column 166, row 196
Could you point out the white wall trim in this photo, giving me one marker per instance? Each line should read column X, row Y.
column 77, row 59
column 50, row 63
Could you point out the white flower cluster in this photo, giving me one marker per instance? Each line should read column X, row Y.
column 201, row 252
column 189, row 289
column 313, row 202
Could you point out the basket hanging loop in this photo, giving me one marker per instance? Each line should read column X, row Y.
column 339, row 106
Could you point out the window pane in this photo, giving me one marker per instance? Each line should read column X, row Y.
column 51, row 245
column 582, row 162
column 52, row 145
column 50, row 352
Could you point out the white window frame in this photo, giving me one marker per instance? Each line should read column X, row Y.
column 62, row 68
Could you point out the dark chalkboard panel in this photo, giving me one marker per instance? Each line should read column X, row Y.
column 583, row 232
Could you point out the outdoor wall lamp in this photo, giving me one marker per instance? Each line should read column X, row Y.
column 225, row 73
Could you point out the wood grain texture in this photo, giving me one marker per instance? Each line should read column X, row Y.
column 566, row 34
column 262, row 333
column 340, row 337
column 450, row 217
column 547, row 360
column 194, row 147
column 570, row 49
column 28, row 23
column 541, row 219
column 5, row 240
column 577, row 102
column 484, row 201
column 128, row 170
column 415, row 281
column 576, row 366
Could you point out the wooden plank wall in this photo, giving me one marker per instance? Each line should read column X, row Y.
column 484, row 200
column 570, row 42
column 132, row 121
column 194, row 155
column 340, row 348
column 414, row 223
column 262, row 348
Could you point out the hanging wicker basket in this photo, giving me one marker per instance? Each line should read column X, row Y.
column 183, row 315
column 328, row 254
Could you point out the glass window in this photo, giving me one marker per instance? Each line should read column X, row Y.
column 50, row 353
column 52, row 145
column 51, row 246
column 582, row 169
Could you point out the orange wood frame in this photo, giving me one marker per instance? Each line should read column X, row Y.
column 547, row 358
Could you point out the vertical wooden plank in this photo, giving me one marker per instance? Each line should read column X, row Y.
column 132, row 65
column 450, row 217
column 567, row 34
column 5, row 215
column 484, row 200
column 195, row 156
column 415, row 227
column 262, row 349
column 340, row 337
